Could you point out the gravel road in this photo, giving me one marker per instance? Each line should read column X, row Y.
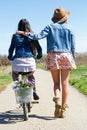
column 41, row 116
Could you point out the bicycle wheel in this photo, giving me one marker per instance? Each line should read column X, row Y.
column 25, row 111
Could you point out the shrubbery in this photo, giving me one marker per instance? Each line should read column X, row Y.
column 81, row 58
column 4, row 60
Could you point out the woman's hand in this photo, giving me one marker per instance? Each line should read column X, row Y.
column 23, row 33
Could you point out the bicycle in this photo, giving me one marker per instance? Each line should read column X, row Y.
column 24, row 93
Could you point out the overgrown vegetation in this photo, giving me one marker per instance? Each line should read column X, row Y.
column 81, row 59
column 4, row 60
column 78, row 77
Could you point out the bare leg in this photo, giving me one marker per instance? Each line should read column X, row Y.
column 56, row 99
column 56, row 80
column 65, row 84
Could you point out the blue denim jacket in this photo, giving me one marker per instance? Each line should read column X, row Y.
column 59, row 38
column 21, row 45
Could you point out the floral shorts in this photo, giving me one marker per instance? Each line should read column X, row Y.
column 58, row 60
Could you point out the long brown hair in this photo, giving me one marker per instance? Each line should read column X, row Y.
column 24, row 25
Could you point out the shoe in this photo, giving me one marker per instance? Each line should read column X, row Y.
column 57, row 112
column 63, row 111
column 35, row 96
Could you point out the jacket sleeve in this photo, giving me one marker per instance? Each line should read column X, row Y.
column 73, row 46
column 39, row 50
column 44, row 33
column 11, row 49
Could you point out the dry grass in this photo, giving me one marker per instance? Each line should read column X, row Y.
column 5, row 69
column 2, row 88
column 81, row 59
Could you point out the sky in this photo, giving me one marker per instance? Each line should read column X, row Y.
column 39, row 14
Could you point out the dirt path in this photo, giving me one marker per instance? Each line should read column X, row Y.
column 41, row 116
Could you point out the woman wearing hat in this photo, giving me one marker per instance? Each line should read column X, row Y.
column 60, row 56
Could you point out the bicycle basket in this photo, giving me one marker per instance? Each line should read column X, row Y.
column 24, row 95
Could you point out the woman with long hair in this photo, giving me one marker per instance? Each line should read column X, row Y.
column 21, row 54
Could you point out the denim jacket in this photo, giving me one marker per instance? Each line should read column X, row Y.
column 21, row 45
column 59, row 37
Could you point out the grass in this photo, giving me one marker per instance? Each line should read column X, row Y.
column 41, row 66
column 5, row 77
column 78, row 78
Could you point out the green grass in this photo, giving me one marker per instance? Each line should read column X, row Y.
column 78, row 78
column 4, row 81
column 5, row 77
column 41, row 65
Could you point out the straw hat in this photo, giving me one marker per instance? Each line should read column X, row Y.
column 60, row 15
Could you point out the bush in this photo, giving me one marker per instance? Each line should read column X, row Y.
column 81, row 58
column 4, row 60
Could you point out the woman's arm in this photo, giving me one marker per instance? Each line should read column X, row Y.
column 11, row 50
column 38, row 36
column 73, row 46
